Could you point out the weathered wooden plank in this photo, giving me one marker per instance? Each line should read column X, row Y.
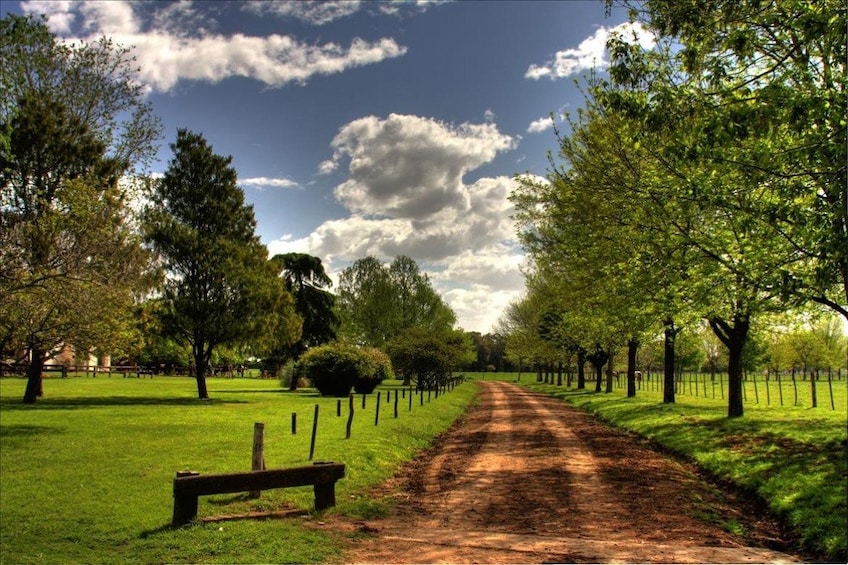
column 259, row 480
column 188, row 486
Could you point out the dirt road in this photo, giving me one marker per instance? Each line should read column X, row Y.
column 527, row 479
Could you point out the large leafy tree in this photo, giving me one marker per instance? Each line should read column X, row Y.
column 74, row 122
column 428, row 358
column 306, row 280
column 376, row 302
column 220, row 288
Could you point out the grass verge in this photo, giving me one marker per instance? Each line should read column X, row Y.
column 794, row 458
column 86, row 474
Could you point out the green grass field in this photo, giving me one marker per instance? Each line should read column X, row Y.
column 86, row 474
column 794, row 457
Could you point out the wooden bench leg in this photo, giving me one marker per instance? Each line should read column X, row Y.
column 185, row 510
column 185, row 505
column 325, row 495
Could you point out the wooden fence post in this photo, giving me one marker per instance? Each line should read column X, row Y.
column 377, row 410
column 349, row 417
column 314, row 432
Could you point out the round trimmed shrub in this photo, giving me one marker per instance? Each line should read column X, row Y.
column 378, row 367
column 336, row 368
column 333, row 369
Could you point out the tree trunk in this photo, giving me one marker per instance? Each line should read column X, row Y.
column 609, row 370
column 581, row 369
column 632, row 347
column 599, row 376
column 201, row 364
column 36, row 367
column 598, row 359
column 734, row 338
column 668, row 362
column 814, row 375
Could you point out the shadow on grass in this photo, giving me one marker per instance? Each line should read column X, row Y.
column 24, row 430
column 98, row 401
column 246, row 391
column 225, row 500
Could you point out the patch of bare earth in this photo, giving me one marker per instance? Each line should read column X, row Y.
column 525, row 478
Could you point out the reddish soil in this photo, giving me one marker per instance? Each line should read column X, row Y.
column 525, row 478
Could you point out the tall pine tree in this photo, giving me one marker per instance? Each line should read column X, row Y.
column 220, row 288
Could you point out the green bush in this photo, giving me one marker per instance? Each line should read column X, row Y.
column 379, row 368
column 335, row 369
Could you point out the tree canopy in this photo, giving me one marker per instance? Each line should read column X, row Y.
column 308, row 283
column 376, row 301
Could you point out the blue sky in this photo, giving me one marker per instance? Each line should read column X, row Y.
column 359, row 128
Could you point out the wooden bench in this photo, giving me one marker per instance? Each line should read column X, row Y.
column 189, row 486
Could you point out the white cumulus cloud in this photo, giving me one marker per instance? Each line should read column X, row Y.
column 591, row 53
column 407, row 195
column 315, row 12
column 263, row 182
column 412, row 167
column 540, row 125
column 166, row 53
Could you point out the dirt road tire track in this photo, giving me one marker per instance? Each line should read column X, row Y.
column 525, row 478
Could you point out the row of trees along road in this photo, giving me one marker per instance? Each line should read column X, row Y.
column 705, row 178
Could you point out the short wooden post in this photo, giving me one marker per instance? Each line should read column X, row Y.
column 294, row 423
column 377, row 411
column 396, row 404
column 338, row 407
column 314, row 433
column 258, row 462
column 411, row 395
column 363, row 402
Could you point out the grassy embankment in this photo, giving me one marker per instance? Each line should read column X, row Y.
column 793, row 457
column 86, row 474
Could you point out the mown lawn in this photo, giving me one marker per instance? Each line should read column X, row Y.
column 794, row 457
column 86, row 474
